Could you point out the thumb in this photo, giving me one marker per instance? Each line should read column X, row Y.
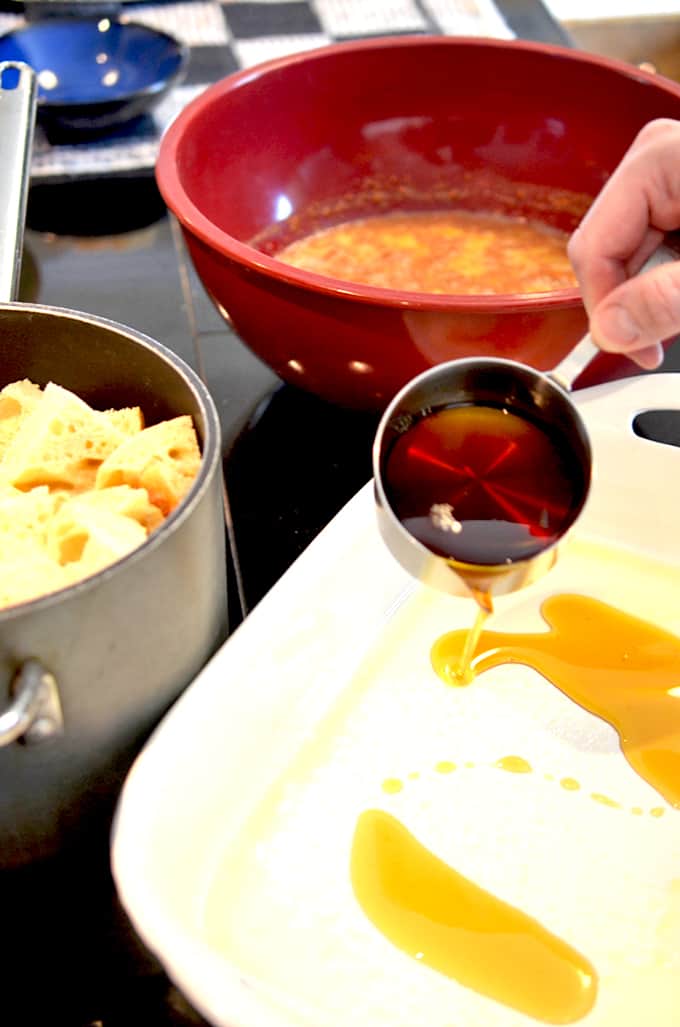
column 636, row 316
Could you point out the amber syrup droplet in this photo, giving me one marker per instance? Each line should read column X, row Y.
column 514, row 765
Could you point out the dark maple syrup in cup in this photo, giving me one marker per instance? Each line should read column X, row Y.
column 481, row 465
column 483, row 485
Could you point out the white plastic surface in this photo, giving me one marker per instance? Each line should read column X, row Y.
column 232, row 840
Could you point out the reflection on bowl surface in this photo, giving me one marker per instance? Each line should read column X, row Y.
column 94, row 73
column 274, row 153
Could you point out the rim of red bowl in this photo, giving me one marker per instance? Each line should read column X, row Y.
column 208, row 232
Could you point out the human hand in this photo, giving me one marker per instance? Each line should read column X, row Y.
column 631, row 313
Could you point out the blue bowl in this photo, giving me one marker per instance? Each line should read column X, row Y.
column 95, row 74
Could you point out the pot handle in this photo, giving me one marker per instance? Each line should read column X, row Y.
column 18, row 89
column 34, row 714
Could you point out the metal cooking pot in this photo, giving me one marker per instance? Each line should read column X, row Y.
column 86, row 672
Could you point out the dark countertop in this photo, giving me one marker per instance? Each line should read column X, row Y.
column 106, row 245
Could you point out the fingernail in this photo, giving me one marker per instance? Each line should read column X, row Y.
column 616, row 325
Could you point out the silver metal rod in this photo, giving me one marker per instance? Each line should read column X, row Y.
column 576, row 361
column 18, row 89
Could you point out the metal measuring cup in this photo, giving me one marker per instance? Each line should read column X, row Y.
column 538, row 397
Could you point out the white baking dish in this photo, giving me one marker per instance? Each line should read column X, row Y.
column 232, row 841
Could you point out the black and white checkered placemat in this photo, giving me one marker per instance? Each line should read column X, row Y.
column 225, row 36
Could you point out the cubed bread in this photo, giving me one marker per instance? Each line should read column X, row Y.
column 128, row 420
column 61, row 443
column 127, row 502
column 81, row 488
column 19, row 398
column 164, row 459
column 24, row 518
column 88, row 539
column 28, row 576
column 16, row 401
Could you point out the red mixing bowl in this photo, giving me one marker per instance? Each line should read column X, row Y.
column 421, row 122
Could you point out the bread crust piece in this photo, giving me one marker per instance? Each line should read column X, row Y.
column 164, row 459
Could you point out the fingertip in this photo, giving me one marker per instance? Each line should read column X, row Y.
column 616, row 331
column 648, row 358
column 615, row 328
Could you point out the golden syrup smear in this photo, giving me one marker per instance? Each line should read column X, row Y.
column 450, row 924
column 618, row 667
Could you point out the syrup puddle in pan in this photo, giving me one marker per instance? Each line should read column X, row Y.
column 431, row 912
column 614, row 665
column 617, row 667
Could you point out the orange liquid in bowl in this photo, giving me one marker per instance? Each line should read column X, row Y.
column 439, row 252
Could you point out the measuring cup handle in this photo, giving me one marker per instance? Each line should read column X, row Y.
column 568, row 370
column 576, row 361
column 18, row 89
